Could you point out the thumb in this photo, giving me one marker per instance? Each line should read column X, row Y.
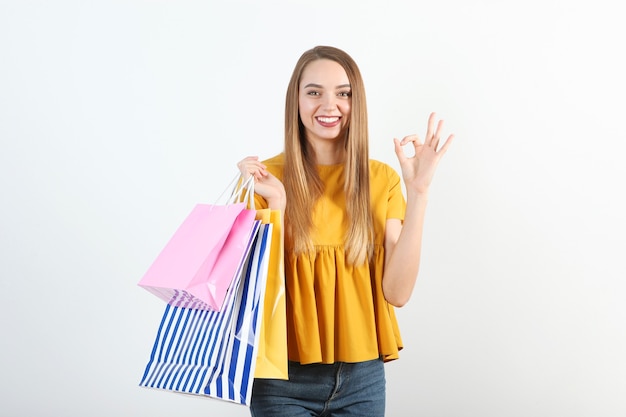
column 399, row 150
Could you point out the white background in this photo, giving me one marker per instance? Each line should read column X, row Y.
column 116, row 117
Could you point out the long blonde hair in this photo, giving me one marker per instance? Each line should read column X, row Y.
column 302, row 183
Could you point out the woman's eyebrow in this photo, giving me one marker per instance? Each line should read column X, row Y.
column 320, row 86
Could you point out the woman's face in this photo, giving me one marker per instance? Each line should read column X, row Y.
column 324, row 100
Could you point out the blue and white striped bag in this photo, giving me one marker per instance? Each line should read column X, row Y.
column 213, row 353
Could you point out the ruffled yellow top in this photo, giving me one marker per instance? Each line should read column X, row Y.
column 337, row 312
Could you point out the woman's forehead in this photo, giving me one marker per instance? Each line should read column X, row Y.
column 325, row 73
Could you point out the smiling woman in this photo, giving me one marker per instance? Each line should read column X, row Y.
column 352, row 241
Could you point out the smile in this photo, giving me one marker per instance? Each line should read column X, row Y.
column 328, row 121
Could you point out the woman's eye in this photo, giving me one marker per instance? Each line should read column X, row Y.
column 313, row 93
column 345, row 94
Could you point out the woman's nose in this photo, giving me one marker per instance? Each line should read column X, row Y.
column 329, row 102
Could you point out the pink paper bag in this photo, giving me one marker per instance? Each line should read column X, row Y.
column 198, row 264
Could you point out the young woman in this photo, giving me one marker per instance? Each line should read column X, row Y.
column 352, row 241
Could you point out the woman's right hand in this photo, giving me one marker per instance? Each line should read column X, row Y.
column 265, row 184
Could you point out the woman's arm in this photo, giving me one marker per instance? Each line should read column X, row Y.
column 403, row 241
column 403, row 244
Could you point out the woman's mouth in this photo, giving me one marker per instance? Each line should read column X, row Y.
column 328, row 121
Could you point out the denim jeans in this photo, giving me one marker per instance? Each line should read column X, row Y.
column 323, row 390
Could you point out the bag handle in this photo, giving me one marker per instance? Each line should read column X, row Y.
column 238, row 196
column 237, row 187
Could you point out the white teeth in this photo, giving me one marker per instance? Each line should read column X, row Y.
column 328, row 119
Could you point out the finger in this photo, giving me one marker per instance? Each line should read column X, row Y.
column 249, row 161
column 248, row 158
column 251, row 165
column 430, row 127
column 411, row 138
column 258, row 175
column 435, row 139
column 446, row 145
column 399, row 150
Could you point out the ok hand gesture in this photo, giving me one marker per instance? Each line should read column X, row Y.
column 418, row 170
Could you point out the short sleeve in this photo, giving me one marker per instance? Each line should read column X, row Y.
column 396, row 204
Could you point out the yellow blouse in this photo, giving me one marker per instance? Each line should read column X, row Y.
column 335, row 311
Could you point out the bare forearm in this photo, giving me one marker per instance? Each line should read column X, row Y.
column 402, row 265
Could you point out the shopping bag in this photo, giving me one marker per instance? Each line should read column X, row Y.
column 272, row 360
column 213, row 353
column 197, row 265
column 234, row 381
column 190, row 343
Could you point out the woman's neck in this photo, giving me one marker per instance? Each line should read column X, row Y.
column 329, row 153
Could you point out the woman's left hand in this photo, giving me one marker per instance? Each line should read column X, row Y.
column 418, row 170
